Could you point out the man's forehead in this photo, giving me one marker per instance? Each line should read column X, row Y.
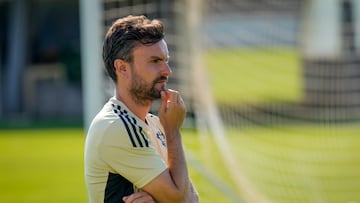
column 159, row 49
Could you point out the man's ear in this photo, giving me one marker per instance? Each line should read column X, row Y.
column 121, row 67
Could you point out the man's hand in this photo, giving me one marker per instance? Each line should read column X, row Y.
column 172, row 111
column 139, row 197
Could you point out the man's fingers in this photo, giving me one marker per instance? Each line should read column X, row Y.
column 164, row 101
column 138, row 197
column 168, row 97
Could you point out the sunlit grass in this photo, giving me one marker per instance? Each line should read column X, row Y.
column 46, row 166
column 300, row 163
column 41, row 166
column 289, row 164
column 254, row 75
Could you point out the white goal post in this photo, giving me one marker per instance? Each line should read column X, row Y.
column 91, row 29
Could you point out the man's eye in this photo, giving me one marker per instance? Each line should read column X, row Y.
column 156, row 60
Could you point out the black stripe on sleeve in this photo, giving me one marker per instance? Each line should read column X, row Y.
column 128, row 131
column 134, row 130
column 144, row 137
column 140, row 131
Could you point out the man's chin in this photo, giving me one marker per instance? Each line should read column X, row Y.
column 156, row 94
column 161, row 88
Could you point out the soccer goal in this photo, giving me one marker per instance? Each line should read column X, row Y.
column 283, row 97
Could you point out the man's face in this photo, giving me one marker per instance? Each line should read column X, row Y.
column 149, row 72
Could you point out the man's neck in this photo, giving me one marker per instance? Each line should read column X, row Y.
column 140, row 110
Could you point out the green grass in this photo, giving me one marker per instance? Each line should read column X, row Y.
column 301, row 163
column 46, row 166
column 254, row 75
column 41, row 166
column 295, row 164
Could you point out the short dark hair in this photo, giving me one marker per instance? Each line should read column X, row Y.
column 124, row 34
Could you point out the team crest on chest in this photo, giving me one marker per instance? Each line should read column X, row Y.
column 161, row 137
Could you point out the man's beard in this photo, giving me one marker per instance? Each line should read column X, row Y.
column 142, row 93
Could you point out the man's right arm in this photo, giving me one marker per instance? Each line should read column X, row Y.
column 172, row 185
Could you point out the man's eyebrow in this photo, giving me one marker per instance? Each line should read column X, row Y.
column 158, row 57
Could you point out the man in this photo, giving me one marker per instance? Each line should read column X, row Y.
column 131, row 155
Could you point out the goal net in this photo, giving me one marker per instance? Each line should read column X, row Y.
column 274, row 85
column 284, row 96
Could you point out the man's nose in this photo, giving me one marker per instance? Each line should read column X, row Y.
column 166, row 69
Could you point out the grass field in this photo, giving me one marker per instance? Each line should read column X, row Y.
column 301, row 163
column 41, row 166
column 46, row 166
column 254, row 75
column 295, row 164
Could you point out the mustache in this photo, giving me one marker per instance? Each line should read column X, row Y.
column 161, row 78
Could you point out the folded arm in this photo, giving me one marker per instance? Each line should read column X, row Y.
column 172, row 185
